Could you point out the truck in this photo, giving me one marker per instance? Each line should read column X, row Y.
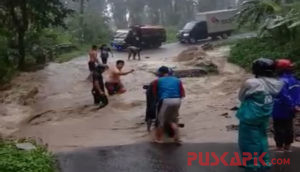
column 208, row 24
column 140, row 36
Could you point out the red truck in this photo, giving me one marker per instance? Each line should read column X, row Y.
column 139, row 36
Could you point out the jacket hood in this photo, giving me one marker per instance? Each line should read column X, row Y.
column 272, row 85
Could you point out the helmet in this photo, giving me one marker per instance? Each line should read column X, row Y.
column 163, row 70
column 263, row 67
column 284, row 64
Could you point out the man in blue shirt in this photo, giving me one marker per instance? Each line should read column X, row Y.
column 168, row 91
column 285, row 106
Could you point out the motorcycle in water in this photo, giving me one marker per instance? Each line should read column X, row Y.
column 152, row 107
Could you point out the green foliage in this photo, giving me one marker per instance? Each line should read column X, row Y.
column 63, row 57
column 278, row 30
column 244, row 52
column 256, row 11
column 272, row 18
column 95, row 29
column 15, row 160
column 6, row 66
column 40, row 31
column 171, row 34
column 23, row 17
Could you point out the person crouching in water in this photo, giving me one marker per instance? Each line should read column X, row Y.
column 114, row 84
column 285, row 106
column 257, row 99
column 98, row 91
column 169, row 91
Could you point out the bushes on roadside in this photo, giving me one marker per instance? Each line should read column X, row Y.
column 245, row 51
column 7, row 68
column 13, row 159
column 171, row 34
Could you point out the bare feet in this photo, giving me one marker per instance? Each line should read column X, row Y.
column 287, row 148
column 158, row 141
column 178, row 141
column 279, row 149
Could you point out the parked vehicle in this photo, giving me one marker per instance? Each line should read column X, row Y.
column 119, row 38
column 139, row 36
column 208, row 24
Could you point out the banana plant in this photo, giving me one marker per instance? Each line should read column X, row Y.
column 254, row 12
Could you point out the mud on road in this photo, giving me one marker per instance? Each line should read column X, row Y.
column 56, row 106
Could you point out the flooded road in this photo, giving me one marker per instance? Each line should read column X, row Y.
column 55, row 106
column 148, row 157
column 59, row 108
column 62, row 113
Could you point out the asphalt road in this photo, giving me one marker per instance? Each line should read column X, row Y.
column 148, row 157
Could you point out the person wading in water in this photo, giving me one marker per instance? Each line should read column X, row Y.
column 93, row 61
column 98, row 91
column 104, row 53
column 114, row 84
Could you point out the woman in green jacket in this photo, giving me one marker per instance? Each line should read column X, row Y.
column 256, row 96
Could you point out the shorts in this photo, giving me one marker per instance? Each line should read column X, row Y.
column 113, row 88
column 134, row 50
column 92, row 66
column 104, row 60
column 169, row 111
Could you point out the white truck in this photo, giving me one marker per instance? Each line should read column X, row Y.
column 208, row 24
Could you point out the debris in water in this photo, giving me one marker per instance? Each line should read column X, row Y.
column 197, row 57
column 25, row 99
column 232, row 127
column 25, row 146
column 190, row 73
column 235, row 108
column 226, row 115
column 207, row 46
column 190, row 54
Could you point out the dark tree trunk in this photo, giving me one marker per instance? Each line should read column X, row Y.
column 21, row 48
column 21, row 24
column 21, row 33
column 81, row 11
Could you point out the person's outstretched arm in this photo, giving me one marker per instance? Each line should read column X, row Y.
column 126, row 73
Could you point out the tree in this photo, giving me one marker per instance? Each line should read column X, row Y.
column 257, row 11
column 136, row 11
column 24, row 15
column 280, row 21
column 119, row 12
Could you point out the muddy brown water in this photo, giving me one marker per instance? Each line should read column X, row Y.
column 62, row 115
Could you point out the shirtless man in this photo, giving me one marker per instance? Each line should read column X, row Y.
column 114, row 84
column 93, row 60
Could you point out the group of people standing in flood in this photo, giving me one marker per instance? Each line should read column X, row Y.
column 167, row 89
column 113, row 84
column 273, row 92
